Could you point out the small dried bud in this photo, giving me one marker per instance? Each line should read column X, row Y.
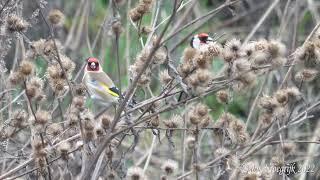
column 306, row 75
column 146, row 30
column 16, row 24
column 160, row 56
column 169, row 166
column 223, row 96
column 106, row 121
column 117, row 28
column 155, row 121
column 276, row 49
column 190, row 142
column 56, row 17
column 288, row 148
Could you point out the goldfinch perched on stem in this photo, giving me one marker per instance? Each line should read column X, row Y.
column 200, row 39
column 100, row 87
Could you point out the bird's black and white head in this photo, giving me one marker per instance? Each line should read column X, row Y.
column 199, row 40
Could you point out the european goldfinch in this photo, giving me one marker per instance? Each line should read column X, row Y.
column 100, row 87
column 199, row 40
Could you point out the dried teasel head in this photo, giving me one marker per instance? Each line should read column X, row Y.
column 276, row 49
column 15, row 23
column 169, row 167
column 56, row 17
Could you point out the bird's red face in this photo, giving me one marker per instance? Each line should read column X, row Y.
column 93, row 64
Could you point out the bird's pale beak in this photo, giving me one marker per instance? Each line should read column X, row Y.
column 93, row 65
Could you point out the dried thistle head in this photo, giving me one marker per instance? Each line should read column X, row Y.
column 165, row 78
column 189, row 54
column 42, row 117
column 288, row 148
column 15, row 23
column 135, row 173
column 19, row 118
column 173, row 122
column 15, row 78
column 160, row 56
column 56, row 17
column 223, row 96
column 276, row 49
column 26, row 68
column 105, row 121
column 268, row 103
column 306, row 75
column 155, row 121
column 54, row 129
column 169, row 166
column 63, row 149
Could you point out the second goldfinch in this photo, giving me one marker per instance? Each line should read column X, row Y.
column 99, row 85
